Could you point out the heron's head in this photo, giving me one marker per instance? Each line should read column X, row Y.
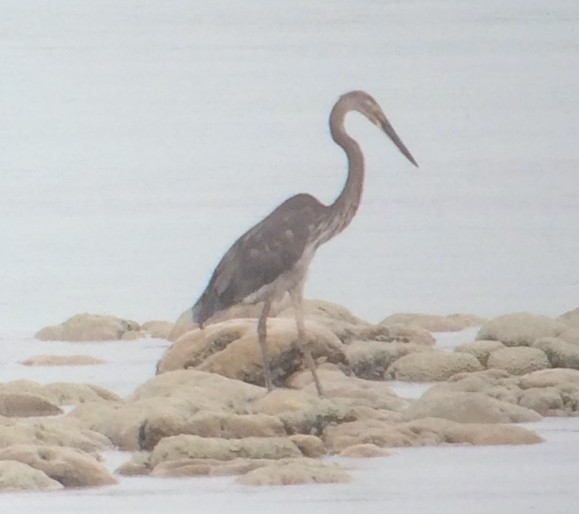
column 365, row 104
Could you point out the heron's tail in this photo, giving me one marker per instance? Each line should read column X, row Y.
column 207, row 305
column 196, row 313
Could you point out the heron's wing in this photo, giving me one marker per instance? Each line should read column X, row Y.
column 263, row 253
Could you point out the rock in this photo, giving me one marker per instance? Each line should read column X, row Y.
column 134, row 335
column 184, row 468
column 205, row 389
column 366, row 431
column 88, row 327
column 181, row 447
column 298, row 471
column 16, row 476
column 396, row 334
column 62, row 360
column 183, row 325
column 468, row 408
column 547, row 401
column 571, row 318
column 136, row 425
column 551, row 392
column 310, row 445
column 549, row 378
column 302, row 412
column 144, row 424
column 382, row 415
column 548, row 392
column 480, row 349
column 570, row 336
column 363, row 451
column 432, row 366
column 231, row 349
column 26, row 387
column 571, row 401
column 74, row 394
column 239, row 426
column 491, row 375
column 180, row 402
column 436, row 431
column 485, row 435
column 70, row 467
column 494, row 383
column 237, row 466
column 467, row 320
column 25, row 405
column 518, row 360
column 424, row 432
column 210, row 424
column 520, row 329
column 433, row 322
column 560, row 353
column 158, row 329
column 51, row 431
column 371, row 359
column 209, row 467
column 60, row 393
column 348, row 390
column 280, row 401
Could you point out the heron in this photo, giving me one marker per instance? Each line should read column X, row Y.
column 272, row 258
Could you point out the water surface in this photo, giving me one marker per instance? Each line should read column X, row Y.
column 138, row 140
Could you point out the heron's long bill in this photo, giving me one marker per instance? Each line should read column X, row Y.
column 391, row 133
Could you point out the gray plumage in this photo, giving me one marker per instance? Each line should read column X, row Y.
column 272, row 258
column 260, row 256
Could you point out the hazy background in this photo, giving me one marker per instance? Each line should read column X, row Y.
column 139, row 139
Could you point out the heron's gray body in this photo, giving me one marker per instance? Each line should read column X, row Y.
column 272, row 258
column 264, row 263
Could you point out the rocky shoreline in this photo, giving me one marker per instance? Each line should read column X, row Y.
column 206, row 412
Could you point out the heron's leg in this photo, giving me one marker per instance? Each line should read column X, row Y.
column 262, row 336
column 296, row 298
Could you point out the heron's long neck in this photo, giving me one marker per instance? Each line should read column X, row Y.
column 341, row 212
